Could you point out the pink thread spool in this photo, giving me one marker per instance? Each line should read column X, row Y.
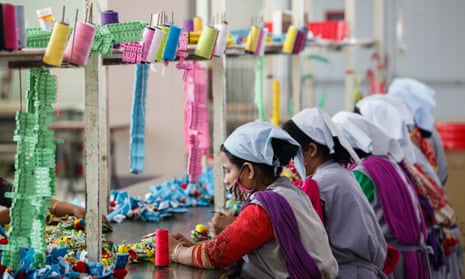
column 162, row 249
column 9, row 25
column 80, row 44
column 260, row 49
column 147, row 37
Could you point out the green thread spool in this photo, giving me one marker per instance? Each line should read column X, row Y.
column 207, row 42
column 161, row 49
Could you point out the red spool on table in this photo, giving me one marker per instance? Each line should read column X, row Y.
column 162, row 249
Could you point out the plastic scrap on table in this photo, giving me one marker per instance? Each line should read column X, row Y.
column 163, row 200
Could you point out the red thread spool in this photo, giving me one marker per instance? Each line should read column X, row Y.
column 79, row 46
column 9, row 25
column 162, row 249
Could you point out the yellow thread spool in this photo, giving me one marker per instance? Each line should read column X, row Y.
column 289, row 42
column 276, row 93
column 198, row 24
column 252, row 39
column 56, row 45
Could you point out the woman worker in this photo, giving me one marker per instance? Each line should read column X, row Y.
column 355, row 236
column 389, row 192
column 277, row 229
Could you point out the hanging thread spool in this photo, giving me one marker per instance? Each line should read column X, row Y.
column 260, row 49
column 79, row 46
column 289, row 41
column 198, row 24
column 299, row 41
column 161, row 48
column 2, row 37
column 252, row 39
column 147, row 38
column 9, row 27
column 45, row 17
column 56, row 45
column 109, row 16
column 21, row 26
column 172, row 43
column 207, row 42
column 188, row 25
column 155, row 44
column 162, row 249
column 223, row 31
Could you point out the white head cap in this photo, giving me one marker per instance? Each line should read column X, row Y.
column 252, row 142
column 367, row 136
column 404, row 109
column 317, row 125
column 389, row 118
column 419, row 97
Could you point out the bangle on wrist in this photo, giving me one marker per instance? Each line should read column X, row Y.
column 176, row 252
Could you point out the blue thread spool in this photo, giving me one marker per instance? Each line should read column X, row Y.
column 172, row 43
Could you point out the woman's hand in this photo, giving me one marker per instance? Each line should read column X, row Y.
column 182, row 239
column 220, row 221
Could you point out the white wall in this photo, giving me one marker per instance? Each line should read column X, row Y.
column 164, row 136
column 165, row 97
column 70, row 86
column 434, row 51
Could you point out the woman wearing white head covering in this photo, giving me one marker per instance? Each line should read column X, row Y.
column 277, row 232
column 388, row 189
column 425, row 180
column 355, row 236
column 420, row 99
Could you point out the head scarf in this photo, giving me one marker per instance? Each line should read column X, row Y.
column 419, row 97
column 252, row 142
column 367, row 136
column 388, row 118
column 317, row 125
column 398, row 103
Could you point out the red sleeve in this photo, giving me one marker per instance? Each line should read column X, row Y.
column 251, row 229
column 310, row 187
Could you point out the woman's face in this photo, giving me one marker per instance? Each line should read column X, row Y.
column 230, row 170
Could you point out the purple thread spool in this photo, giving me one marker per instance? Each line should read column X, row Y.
column 9, row 25
column 108, row 16
column 146, row 42
column 21, row 26
column 188, row 25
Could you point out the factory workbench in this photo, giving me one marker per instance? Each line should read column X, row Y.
column 132, row 232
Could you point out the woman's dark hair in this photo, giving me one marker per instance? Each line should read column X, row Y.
column 361, row 153
column 283, row 150
column 340, row 154
column 424, row 133
column 5, row 186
